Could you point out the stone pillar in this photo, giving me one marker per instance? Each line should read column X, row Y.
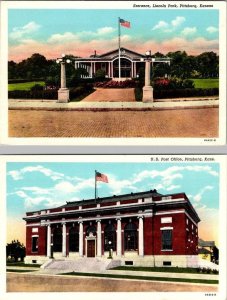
column 99, row 239
column 141, row 236
column 109, row 69
column 64, row 239
column 91, row 70
column 81, row 239
column 119, row 251
column 147, row 89
column 63, row 92
column 134, row 69
column 48, row 241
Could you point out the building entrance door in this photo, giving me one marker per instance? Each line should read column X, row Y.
column 91, row 248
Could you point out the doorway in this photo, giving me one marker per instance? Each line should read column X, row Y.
column 90, row 248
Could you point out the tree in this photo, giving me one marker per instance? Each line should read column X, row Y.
column 208, row 64
column 15, row 250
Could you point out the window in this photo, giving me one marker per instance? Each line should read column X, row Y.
column 167, row 239
column 131, row 237
column 73, row 239
column 166, row 263
column 110, row 238
column 35, row 244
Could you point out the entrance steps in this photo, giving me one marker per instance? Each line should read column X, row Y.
column 82, row 265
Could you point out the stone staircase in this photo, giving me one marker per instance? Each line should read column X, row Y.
column 91, row 265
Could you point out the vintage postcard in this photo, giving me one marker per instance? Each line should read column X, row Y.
column 110, row 72
column 127, row 223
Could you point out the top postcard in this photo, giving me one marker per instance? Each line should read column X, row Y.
column 113, row 73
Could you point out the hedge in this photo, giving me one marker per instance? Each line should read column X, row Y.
column 178, row 93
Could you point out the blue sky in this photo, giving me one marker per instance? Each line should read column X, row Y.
column 79, row 30
column 34, row 186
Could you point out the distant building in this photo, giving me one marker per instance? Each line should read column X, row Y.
column 147, row 228
column 208, row 251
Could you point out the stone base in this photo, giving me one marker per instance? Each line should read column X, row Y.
column 148, row 94
column 63, row 95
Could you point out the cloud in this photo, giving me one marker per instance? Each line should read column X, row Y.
column 173, row 187
column 198, row 196
column 20, row 32
column 19, row 174
column 105, row 30
column 161, row 25
column 189, row 31
column 212, row 29
column 178, row 21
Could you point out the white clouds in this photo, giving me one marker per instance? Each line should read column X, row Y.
column 178, row 21
column 20, row 32
column 169, row 27
column 173, row 187
column 189, row 31
column 105, row 30
column 19, row 174
column 65, row 187
column 161, row 25
column 198, row 196
column 212, row 29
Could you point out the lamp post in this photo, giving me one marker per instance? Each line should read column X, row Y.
column 63, row 92
column 110, row 254
column 147, row 89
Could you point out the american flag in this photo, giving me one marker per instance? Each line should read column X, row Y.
column 124, row 23
column 101, row 177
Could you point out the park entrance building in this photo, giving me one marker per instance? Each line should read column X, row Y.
column 145, row 228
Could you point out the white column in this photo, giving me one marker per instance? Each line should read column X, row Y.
column 63, row 76
column 48, row 241
column 112, row 69
column 99, row 239
column 141, row 237
column 109, row 69
column 147, row 73
column 91, row 70
column 119, row 251
column 132, row 69
column 63, row 239
column 81, row 239
column 94, row 67
column 135, row 69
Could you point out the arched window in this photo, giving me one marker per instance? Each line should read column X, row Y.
column 91, row 230
column 57, row 240
column 73, row 239
column 130, row 237
column 110, row 238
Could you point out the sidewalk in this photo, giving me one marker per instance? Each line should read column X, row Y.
column 164, row 104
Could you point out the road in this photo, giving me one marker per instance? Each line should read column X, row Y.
column 200, row 122
column 17, row 282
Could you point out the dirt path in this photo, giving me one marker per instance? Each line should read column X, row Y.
column 111, row 95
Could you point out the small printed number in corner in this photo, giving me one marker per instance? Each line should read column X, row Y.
column 209, row 140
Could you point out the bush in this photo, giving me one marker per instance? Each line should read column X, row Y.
column 25, row 80
column 173, row 83
column 44, row 94
column 179, row 93
column 37, row 87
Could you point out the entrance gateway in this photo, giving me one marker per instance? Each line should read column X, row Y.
column 131, row 63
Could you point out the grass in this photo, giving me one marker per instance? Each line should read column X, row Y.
column 206, row 83
column 152, row 278
column 21, row 264
column 18, row 270
column 24, row 86
column 159, row 269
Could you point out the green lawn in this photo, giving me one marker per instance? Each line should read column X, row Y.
column 159, row 269
column 26, row 86
column 206, row 83
column 22, row 264
column 143, row 277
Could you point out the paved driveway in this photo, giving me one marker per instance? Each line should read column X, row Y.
column 200, row 122
column 113, row 95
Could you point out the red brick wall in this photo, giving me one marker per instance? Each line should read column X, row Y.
column 129, row 201
column 42, row 248
column 178, row 234
column 148, row 247
column 42, row 232
column 107, row 204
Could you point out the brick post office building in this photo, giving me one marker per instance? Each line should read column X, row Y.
column 146, row 228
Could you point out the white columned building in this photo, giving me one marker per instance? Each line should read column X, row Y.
column 81, row 238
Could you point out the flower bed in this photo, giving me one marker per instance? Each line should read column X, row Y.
column 116, row 84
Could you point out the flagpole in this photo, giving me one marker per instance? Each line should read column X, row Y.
column 95, row 186
column 119, row 48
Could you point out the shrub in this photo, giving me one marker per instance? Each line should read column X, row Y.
column 116, row 84
column 37, row 87
column 25, row 80
column 179, row 93
column 44, row 94
column 173, row 83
